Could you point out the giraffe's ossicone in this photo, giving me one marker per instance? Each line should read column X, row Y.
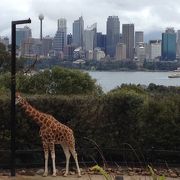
column 51, row 132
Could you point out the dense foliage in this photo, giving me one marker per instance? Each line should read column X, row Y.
column 145, row 118
column 54, row 81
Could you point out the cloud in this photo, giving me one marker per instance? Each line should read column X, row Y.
column 147, row 15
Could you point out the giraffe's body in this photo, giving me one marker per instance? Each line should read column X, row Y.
column 51, row 132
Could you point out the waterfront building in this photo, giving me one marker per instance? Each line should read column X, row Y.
column 141, row 52
column 90, row 37
column 128, row 39
column 168, row 52
column 112, row 35
column 120, row 51
column 78, row 53
column 89, row 55
column 60, row 38
column 78, row 30
column 98, row 54
column 22, row 34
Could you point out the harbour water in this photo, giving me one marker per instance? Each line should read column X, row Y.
column 109, row 80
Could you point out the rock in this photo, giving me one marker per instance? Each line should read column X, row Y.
column 170, row 171
column 173, row 175
column 177, row 170
column 137, row 169
column 5, row 174
column 30, row 173
column 119, row 172
column 131, row 173
column 130, row 169
column 22, row 172
column 72, row 173
column 145, row 173
column 155, row 170
column 40, row 171
column 109, row 169
column 83, row 173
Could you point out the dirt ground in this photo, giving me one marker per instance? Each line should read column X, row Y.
column 74, row 177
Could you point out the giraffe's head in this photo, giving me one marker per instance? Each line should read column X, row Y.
column 19, row 99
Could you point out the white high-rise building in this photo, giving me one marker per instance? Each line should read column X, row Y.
column 155, row 49
column 141, row 51
column 90, row 37
column 98, row 54
column 120, row 51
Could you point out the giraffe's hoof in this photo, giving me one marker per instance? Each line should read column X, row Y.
column 79, row 175
column 65, row 175
column 45, row 174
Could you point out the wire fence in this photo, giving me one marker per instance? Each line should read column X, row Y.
column 126, row 157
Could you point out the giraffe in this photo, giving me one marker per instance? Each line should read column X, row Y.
column 51, row 132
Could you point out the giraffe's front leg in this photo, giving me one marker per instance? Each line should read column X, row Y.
column 52, row 149
column 46, row 154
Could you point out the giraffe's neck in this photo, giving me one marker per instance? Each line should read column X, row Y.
column 36, row 115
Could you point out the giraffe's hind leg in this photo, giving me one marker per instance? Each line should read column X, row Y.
column 74, row 154
column 52, row 149
column 67, row 154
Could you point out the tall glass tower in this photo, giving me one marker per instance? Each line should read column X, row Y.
column 78, row 31
column 112, row 34
column 60, row 38
column 128, row 39
column 22, row 34
column 168, row 45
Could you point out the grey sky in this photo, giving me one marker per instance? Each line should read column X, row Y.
column 147, row 15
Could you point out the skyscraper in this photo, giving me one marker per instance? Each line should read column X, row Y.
column 139, row 37
column 154, row 49
column 90, row 37
column 112, row 34
column 60, row 38
column 178, row 43
column 22, row 34
column 46, row 45
column 120, row 51
column 128, row 39
column 101, row 41
column 168, row 45
column 78, row 30
column 69, row 39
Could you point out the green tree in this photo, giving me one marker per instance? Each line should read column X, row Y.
column 5, row 59
column 54, row 81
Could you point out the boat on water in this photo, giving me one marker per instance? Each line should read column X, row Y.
column 177, row 70
column 175, row 75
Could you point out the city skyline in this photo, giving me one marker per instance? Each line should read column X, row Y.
column 138, row 13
